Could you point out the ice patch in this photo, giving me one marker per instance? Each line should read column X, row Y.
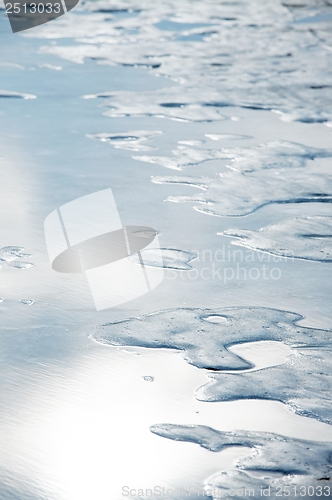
column 9, row 254
column 205, row 344
column 274, row 154
column 8, row 94
column 50, row 66
column 172, row 258
column 21, row 265
column 219, row 54
column 302, row 238
column 228, row 137
column 133, row 141
column 166, row 104
column 303, row 383
column 233, row 194
column 275, row 462
column 27, row 302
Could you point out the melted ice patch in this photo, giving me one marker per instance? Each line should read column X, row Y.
column 27, row 302
column 8, row 94
column 205, row 344
column 133, row 141
column 303, row 237
column 9, row 256
column 228, row 137
column 298, row 462
column 184, row 156
column 125, row 103
column 171, row 257
column 273, row 154
column 232, row 194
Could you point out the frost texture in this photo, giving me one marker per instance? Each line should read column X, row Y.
column 133, row 141
column 172, row 258
column 303, row 237
column 302, row 463
column 219, row 54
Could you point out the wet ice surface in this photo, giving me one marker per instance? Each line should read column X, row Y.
column 172, row 258
column 303, row 237
column 201, row 77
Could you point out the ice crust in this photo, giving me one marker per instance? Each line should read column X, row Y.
column 302, row 463
column 219, row 54
column 303, row 237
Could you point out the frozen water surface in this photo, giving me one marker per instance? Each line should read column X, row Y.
column 235, row 98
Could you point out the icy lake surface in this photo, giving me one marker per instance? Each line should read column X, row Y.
column 220, row 378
